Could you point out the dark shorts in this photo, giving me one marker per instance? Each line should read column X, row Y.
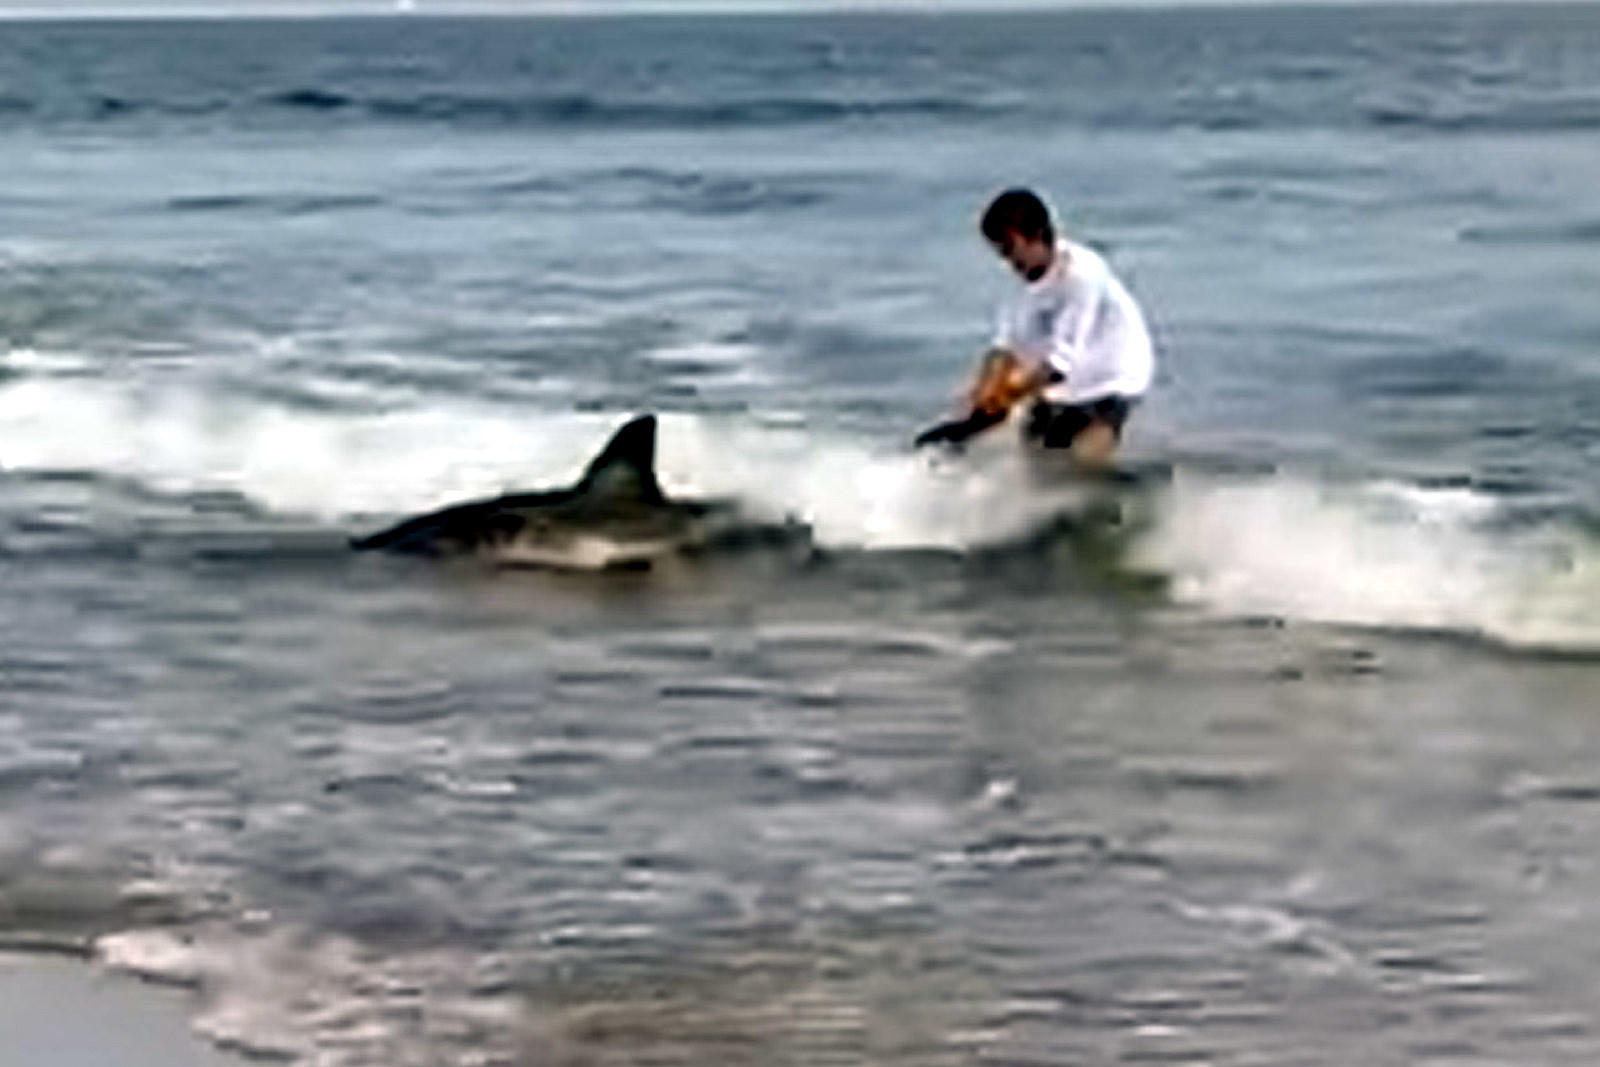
column 1052, row 425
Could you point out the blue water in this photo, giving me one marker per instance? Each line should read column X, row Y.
column 1291, row 763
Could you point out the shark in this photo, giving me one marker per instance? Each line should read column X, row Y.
column 615, row 516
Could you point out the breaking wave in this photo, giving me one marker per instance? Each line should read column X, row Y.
column 1381, row 554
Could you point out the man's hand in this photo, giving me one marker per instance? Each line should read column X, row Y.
column 1003, row 380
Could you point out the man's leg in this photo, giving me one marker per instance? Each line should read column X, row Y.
column 1095, row 445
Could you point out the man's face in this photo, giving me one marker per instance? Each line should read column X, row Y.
column 1030, row 257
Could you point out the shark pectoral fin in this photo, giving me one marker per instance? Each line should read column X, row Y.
column 625, row 470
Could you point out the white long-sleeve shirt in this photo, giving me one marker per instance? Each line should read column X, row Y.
column 1081, row 321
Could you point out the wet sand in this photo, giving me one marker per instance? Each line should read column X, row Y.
column 61, row 1012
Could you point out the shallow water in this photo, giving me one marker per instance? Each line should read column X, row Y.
column 1280, row 755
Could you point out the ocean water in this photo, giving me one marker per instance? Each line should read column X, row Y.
column 1284, row 755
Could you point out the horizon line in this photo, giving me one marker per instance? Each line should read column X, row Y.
column 579, row 9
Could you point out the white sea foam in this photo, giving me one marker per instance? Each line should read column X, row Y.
column 1380, row 554
column 44, row 362
column 336, row 466
column 856, row 493
column 1375, row 554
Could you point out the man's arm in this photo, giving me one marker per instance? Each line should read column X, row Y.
column 1003, row 381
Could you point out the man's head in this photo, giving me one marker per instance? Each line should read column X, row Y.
column 1017, row 225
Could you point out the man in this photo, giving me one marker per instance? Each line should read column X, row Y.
column 1073, row 341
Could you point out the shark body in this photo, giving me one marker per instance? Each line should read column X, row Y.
column 615, row 516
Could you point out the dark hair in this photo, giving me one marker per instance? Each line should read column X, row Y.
column 1019, row 210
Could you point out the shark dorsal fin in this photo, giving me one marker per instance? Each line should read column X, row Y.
column 625, row 470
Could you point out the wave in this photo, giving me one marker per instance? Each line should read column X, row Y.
column 1385, row 555
column 1577, row 232
column 311, row 99
column 597, row 111
column 282, row 205
column 297, row 461
column 571, row 109
column 1536, row 116
column 562, row 110
column 590, row 110
column 689, row 192
column 1375, row 554
column 698, row 107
